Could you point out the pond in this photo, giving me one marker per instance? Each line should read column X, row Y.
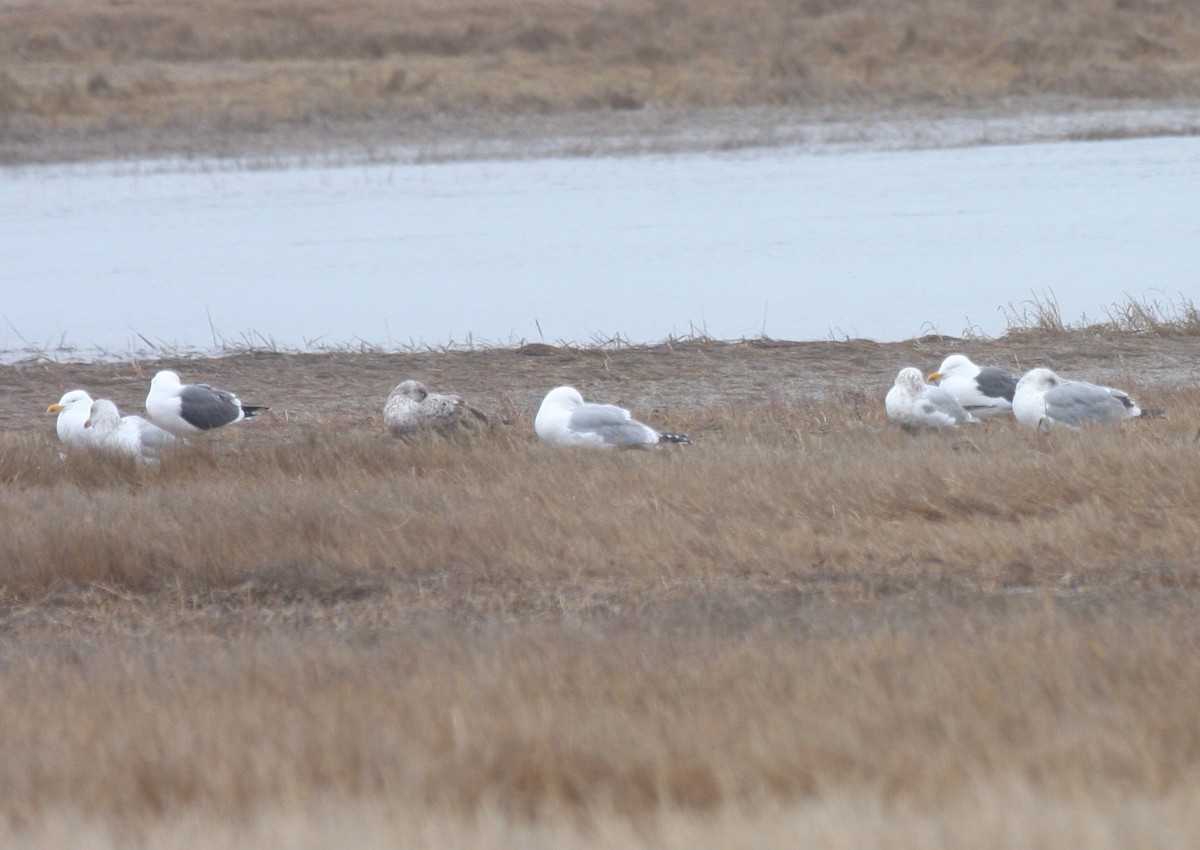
column 113, row 259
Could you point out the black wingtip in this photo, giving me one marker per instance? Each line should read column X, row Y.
column 668, row 437
column 1153, row 413
column 252, row 410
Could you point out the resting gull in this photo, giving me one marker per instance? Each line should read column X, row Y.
column 983, row 391
column 188, row 409
column 127, row 435
column 411, row 409
column 72, row 410
column 915, row 405
column 1044, row 401
column 565, row 419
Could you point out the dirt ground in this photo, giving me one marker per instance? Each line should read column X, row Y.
column 318, row 388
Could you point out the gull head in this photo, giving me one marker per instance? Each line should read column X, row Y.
column 1040, row 380
column 70, row 401
column 911, row 380
column 103, row 415
column 955, row 364
column 565, row 398
column 414, row 390
column 552, row 417
column 165, row 379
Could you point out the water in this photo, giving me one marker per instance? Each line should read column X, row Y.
column 886, row 245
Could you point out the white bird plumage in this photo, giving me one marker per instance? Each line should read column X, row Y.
column 983, row 391
column 565, row 419
column 129, row 435
column 189, row 409
column 916, row 406
column 73, row 409
column 1045, row 401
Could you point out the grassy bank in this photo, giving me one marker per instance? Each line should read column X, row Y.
column 174, row 73
column 806, row 626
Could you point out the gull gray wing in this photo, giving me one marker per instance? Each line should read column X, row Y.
column 1075, row 403
column 204, row 407
column 154, row 440
column 612, row 424
column 996, row 383
column 942, row 402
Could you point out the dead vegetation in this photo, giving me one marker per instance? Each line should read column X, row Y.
column 181, row 71
column 807, row 626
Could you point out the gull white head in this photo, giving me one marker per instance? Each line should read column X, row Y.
column 567, row 398
column 72, row 410
column 556, row 409
column 165, row 380
column 1039, row 379
column 73, row 401
column 955, row 364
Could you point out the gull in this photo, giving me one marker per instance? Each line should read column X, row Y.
column 72, row 410
column 127, row 435
column 188, row 409
column 915, row 405
column 1045, row 401
column 411, row 409
column 565, row 419
column 984, row 391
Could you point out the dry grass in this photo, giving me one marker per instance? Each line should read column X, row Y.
column 1041, row 316
column 181, row 69
column 807, row 628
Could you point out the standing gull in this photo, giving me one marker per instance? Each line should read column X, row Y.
column 188, row 409
column 72, row 410
column 1044, row 401
column 983, row 391
column 915, row 405
column 127, row 435
column 411, row 409
column 565, row 419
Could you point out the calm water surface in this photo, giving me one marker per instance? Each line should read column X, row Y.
column 794, row 246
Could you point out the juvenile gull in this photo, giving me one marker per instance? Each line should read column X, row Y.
column 411, row 409
column 188, row 409
column 127, row 435
column 915, row 405
column 72, row 410
column 565, row 419
column 983, row 391
column 1044, row 401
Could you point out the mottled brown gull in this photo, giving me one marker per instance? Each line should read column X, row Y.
column 129, row 435
column 411, row 409
column 917, row 406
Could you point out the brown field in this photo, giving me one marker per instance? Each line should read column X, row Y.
column 91, row 78
column 806, row 629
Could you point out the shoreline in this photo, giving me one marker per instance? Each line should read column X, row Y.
column 649, row 131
